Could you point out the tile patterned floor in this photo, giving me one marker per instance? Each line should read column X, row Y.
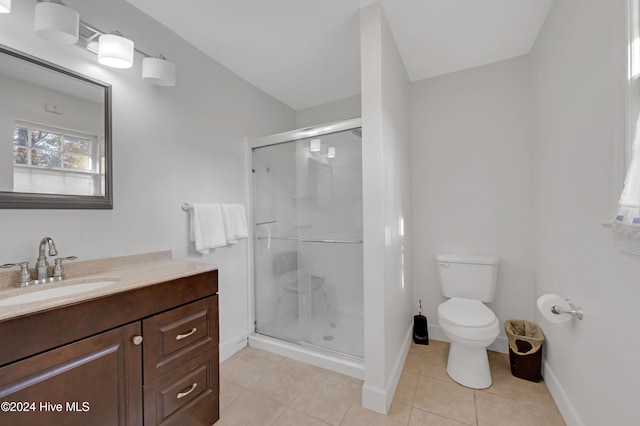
column 263, row 389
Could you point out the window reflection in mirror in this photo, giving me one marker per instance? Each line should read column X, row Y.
column 56, row 161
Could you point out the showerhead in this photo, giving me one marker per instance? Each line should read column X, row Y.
column 357, row 132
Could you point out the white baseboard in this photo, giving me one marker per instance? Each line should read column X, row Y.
column 310, row 355
column 500, row 345
column 560, row 397
column 379, row 400
column 374, row 399
column 232, row 346
column 398, row 366
column 436, row 333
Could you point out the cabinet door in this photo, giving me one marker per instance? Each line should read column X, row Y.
column 95, row 381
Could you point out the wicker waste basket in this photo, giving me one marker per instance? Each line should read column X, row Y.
column 525, row 349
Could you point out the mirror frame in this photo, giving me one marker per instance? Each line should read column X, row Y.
column 24, row 200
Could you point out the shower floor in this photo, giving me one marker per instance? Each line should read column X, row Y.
column 343, row 333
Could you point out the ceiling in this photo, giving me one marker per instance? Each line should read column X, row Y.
column 307, row 52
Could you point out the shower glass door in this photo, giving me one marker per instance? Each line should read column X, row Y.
column 308, row 241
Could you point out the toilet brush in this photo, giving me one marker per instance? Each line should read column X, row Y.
column 420, row 331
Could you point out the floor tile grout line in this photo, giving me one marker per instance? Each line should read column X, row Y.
column 438, row 379
column 426, row 410
column 475, row 405
column 410, row 414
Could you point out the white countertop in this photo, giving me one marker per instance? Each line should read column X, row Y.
column 127, row 278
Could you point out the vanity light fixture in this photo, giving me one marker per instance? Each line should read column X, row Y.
column 315, row 145
column 115, row 51
column 161, row 71
column 5, row 6
column 157, row 70
column 55, row 21
column 331, row 152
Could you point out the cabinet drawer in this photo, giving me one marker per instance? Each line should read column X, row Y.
column 188, row 390
column 179, row 334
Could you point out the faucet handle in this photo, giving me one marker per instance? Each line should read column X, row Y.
column 58, row 272
column 25, row 275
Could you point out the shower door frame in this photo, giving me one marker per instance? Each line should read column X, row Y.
column 305, row 133
column 284, row 137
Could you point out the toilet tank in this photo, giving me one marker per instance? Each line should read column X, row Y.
column 469, row 277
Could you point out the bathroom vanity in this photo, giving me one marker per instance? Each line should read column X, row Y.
column 143, row 351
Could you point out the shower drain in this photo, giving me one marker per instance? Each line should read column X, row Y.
column 327, row 338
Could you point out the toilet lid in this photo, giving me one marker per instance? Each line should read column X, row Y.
column 465, row 312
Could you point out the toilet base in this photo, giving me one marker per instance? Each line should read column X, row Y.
column 469, row 366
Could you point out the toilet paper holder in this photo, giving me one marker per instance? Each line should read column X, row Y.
column 575, row 311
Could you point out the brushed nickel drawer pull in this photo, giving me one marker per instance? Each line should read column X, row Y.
column 182, row 336
column 187, row 392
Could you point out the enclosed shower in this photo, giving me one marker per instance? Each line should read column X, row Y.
column 307, row 240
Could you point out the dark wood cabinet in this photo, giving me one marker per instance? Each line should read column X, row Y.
column 179, row 397
column 96, row 381
column 181, row 333
column 174, row 389
column 158, row 365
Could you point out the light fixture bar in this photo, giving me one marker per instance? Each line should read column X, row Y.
column 89, row 34
column 55, row 21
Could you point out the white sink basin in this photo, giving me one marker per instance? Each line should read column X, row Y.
column 50, row 293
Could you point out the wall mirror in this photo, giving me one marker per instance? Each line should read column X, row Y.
column 55, row 136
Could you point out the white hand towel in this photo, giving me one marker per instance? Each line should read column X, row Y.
column 206, row 228
column 235, row 222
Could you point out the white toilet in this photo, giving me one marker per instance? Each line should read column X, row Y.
column 470, row 325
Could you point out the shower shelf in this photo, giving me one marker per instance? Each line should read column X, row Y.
column 310, row 240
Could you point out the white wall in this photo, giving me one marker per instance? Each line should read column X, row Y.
column 26, row 101
column 385, row 158
column 592, row 365
column 342, row 109
column 472, row 182
column 171, row 145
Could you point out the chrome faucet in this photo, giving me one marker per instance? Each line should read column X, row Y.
column 42, row 266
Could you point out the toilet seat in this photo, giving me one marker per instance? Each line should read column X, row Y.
column 466, row 312
column 469, row 319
